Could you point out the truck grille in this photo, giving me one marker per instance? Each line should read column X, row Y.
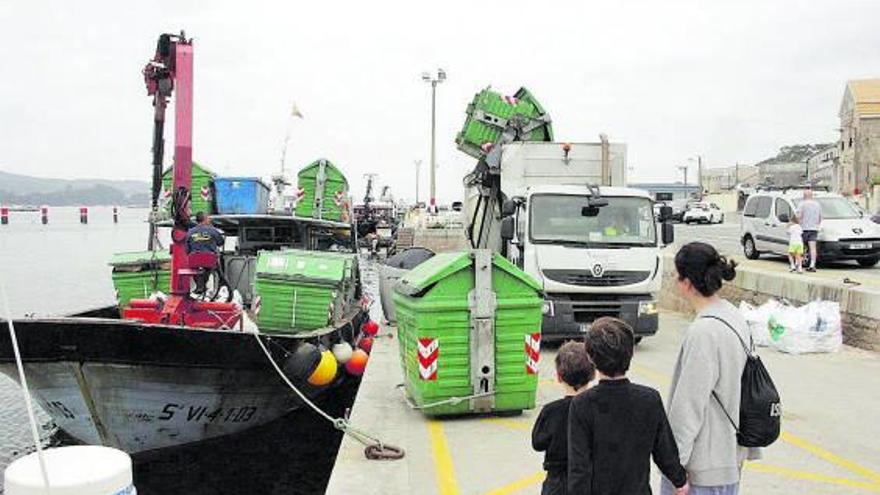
column 590, row 311
column 611, row 278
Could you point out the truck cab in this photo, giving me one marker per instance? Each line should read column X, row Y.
column 595, row 250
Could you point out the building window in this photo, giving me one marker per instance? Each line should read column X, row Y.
column 850, row 142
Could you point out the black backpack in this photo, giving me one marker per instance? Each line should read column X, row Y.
column 760, row 410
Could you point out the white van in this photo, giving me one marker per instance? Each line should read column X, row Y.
column 846, row 232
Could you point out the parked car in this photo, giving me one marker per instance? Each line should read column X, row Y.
column 846, row 232
column 703, row 213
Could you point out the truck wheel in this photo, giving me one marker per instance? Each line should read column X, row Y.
column 868, row 262
column 749, row 248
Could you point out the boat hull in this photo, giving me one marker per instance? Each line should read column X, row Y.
column 143, row 387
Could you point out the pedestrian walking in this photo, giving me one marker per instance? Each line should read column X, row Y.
column 574, row 371
column 795, row 245
column 809, row 214
column 616, row 427
column 706, row 383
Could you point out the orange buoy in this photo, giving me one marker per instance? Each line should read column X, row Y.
column 366, row 344
column 325, row 372
column 370, row 328
column 358, row 362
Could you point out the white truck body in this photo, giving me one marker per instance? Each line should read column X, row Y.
column 607, row 264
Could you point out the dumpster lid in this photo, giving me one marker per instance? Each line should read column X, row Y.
column 139, row 258
column 197, row 169
column 303, row 265
column 444, row 265
column 327, row 163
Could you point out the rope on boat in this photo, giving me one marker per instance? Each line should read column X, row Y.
column 24, row 389
column 374, row 448
column 451, row 401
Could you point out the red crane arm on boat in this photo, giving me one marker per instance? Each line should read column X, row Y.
column 171, row 71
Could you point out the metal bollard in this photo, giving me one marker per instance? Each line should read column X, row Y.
column 83, row 214
column 44, row 214
column 4, row 215
column 115, row 214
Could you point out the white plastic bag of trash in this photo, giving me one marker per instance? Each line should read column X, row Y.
column 813, row 327
column 758, row 318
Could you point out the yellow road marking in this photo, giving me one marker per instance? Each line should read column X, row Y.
column 519, row 484
column 821, row 453
column 547, row 381
column 761, row 467
column 509, row 423
column 443, row 468
column 787, row 437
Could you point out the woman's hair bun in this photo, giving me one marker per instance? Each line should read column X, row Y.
column 701, row 264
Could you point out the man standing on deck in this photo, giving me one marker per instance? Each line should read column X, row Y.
column 810, row 215
column 203, row 238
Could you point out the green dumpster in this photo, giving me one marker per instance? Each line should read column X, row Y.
column 469, row 326
column 490, row 113
column 138, row 274
column 323, row 192
column 201, row 193
column 304, row 290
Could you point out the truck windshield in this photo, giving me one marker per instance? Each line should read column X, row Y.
column 625, row 221
column 834, row 208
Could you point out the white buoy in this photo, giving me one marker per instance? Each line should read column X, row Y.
column 75, row 470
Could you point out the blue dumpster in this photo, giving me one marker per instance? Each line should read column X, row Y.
column 241, row 195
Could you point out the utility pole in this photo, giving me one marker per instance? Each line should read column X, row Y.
column 418, row 169
column 700, row 174
column 684, row 170
column 434, row 80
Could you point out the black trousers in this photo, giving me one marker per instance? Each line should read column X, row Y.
column 555, row 483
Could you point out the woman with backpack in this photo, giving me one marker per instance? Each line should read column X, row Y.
column 705, row 394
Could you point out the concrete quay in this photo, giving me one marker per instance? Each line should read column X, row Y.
column 827, row 447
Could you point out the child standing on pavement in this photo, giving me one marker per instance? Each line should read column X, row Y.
column 550, row 433
column 795, row 245
column 616, row 427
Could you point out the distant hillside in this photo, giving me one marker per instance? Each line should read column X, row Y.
column 795, row 153
column 26, row 190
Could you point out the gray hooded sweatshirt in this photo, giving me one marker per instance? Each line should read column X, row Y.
column 711, row 359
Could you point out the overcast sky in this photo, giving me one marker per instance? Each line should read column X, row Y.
column 732, row 81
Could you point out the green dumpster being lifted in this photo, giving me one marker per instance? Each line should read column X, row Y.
column 469, row 329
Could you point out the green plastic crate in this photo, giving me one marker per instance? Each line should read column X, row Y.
column 489, row 114
column 333, row 203
column 201, row 194
column 138, row 274
column 433, row 314
column 303, row 290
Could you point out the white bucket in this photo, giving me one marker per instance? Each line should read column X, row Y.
column 75, row 470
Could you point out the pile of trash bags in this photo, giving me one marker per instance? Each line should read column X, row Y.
column 813, row 327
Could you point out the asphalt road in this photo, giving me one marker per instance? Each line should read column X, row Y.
column 725, row 238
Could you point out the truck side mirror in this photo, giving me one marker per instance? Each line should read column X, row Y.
column 508, row 228
column 667, row 233
column 508, row 208
column 784, row 218
column 665, row 213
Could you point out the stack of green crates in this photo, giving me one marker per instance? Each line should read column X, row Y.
column 137, row 275
column 201, row 194
column 432, row 308
column 490, row 113
column 334, row 201
column 304, row 290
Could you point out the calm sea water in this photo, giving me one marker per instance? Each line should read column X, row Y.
column 61, row 268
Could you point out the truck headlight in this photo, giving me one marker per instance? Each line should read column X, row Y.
column 647, row 308
column 547, row 308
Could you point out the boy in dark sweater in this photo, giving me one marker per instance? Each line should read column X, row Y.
column 550, row 433
column 617, row 426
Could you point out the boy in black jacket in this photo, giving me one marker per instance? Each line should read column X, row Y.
column 617, row 426
column 550, row 433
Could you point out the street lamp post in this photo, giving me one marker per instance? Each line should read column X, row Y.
column 434, row 79
column 418, row 169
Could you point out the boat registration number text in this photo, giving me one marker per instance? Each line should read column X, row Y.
column 203, row 413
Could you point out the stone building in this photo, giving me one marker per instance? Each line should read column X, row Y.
column 716, row 180
column 824, row 168
column 859, row 144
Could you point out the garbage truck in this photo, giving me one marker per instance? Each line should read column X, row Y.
column 562, row 213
